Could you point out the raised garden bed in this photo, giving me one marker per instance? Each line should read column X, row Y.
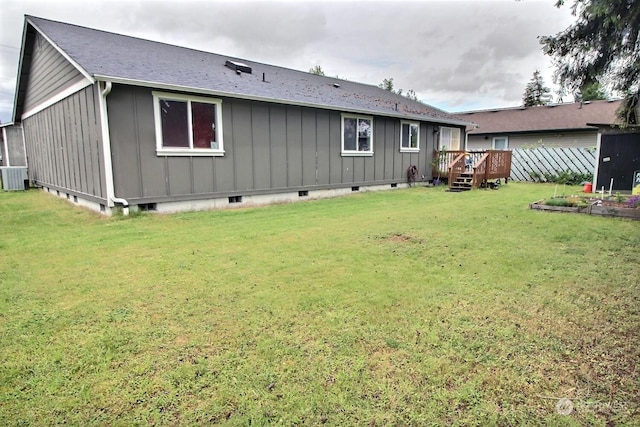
column 616, row 206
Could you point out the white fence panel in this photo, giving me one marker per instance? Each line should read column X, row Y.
column 552, row 161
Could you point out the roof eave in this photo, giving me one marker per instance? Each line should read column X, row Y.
column 511, row 132
column 606, row 125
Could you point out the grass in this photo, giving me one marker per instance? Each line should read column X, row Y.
column 406, row 307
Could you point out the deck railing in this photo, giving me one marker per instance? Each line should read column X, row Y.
column 444, row 159
column 486, row 165
column 497, row 164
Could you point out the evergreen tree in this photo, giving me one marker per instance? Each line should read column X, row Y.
column 591, row 92
column 317, row 70
column 604, row 43
column 411, row 94
column 387, row 84
column 536, row 93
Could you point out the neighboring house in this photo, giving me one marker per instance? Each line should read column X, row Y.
column 552, row 126
column 12, row 150
column 111, row 121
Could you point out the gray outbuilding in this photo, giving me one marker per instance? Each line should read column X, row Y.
column 12, row 150
column 112, row 121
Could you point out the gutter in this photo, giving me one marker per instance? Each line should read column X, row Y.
column 106, row 147
column 531, row 131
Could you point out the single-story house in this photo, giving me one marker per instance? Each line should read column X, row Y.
column 12, row 149
column 552, row 126
column 112, row 121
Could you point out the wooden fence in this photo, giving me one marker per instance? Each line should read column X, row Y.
column 527, row 163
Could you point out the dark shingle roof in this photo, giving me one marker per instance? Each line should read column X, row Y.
column 542, row 118
column 109, row 56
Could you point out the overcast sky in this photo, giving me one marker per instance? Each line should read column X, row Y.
column 456, row 55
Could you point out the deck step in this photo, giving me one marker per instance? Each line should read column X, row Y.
column 460, row 187
column 464, row 182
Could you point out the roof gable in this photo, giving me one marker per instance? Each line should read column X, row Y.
column 109, row 56
column 570, row 116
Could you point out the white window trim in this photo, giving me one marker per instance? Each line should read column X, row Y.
column 409, row 149
column 449, row 147
column 166, row 151
column 355, row 153
column 506, row 142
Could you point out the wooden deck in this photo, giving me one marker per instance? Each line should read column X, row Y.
column 470, row 169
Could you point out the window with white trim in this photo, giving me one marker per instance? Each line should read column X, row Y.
column 500, row 143
column 357, row 135
column 449, row 138
column 409, row 136
column 187, row 125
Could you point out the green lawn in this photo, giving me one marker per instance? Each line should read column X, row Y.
column 405, row 307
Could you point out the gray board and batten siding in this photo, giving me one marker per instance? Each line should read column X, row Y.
column 63, row 140
column 50, row 73
column 269, row 148
column 64, row 146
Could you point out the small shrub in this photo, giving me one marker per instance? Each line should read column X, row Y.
column 569, row 201
column 535, row 176
column 558, row 202
column 568, row 177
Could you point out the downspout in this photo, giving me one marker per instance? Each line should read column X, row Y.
column 466, row 139
column 106, row 146
column 6, row 146
column 24, row 147
column 467, row 130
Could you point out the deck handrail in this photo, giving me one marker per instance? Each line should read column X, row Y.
column 457, row 167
